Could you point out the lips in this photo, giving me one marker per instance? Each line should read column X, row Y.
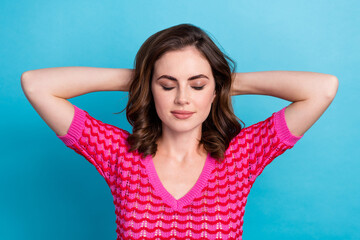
column 181, row 114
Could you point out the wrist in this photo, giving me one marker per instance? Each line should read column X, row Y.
column 237, row 86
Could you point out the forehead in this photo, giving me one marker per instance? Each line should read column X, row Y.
column 186, row 60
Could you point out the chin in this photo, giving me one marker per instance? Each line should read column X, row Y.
column 182, row 127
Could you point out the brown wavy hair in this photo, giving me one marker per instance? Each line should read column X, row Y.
column 220, row 126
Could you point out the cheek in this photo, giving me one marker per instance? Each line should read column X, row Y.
column 207, row 100
column 161, row 103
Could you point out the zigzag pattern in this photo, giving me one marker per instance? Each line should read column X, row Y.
column 141, row 213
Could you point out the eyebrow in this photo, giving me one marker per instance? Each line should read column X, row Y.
column 190, row 78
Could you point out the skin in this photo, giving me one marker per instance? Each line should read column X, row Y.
column 179, row 159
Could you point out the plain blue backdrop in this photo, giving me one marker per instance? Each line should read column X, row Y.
column 50, row 192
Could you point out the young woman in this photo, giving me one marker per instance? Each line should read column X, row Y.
column 186, row 170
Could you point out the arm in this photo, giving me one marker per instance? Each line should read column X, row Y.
column 310, row 93
column 47, row 90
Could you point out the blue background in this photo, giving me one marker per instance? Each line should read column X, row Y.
column 310, row 192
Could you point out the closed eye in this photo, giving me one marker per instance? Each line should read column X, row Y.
column 169, row 88
column 198, row 88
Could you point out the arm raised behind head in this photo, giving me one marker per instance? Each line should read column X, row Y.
column 311, row 93
column 48, row 90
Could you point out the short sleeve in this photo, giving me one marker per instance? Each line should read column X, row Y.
column 262, row 142
column 100, row 143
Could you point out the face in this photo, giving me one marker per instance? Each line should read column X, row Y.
column 183, row 88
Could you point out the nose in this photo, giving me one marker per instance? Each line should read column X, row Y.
column 181, row 97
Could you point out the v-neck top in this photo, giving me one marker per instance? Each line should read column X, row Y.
column 212, row 209
column 190, row 195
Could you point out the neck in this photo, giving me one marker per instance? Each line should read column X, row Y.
column 180, row 147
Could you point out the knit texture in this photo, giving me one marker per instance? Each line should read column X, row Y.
column 215, row 205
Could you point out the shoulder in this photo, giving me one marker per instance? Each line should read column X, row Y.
column 274, row 127
column 87, row 129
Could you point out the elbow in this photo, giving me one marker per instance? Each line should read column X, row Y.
column 27, row 84
column 25, row 76
column 332, row 86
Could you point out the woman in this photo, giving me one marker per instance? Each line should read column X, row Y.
column 186, row 170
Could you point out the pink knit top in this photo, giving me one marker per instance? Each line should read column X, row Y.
column 215, row 205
